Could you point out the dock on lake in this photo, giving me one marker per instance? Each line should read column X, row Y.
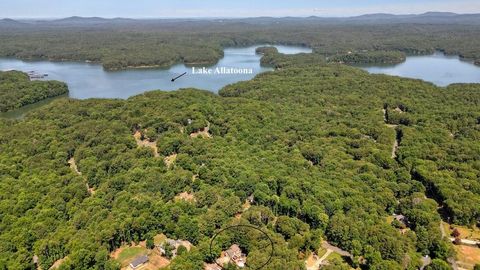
column 36, row 76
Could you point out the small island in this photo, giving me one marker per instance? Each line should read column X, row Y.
column 18, row 89
column 373, row 57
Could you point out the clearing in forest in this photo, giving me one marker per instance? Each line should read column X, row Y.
column 326, row 254
column 467, row 256
column 169, row 160
column 469, row 233
column 204, row 133
column 397, row 109
column 155, row 262
column 159, row 239
column 315, row 260
column 185, row 196
column 57, row 264
column 245, row 206
column 146, row 143
column 73, row 166
column 126, row 254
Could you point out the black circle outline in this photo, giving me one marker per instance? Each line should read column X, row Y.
column 247, row 226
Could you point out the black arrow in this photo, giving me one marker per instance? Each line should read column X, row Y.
column 179, row 76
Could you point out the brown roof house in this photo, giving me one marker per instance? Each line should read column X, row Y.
column 233, row 255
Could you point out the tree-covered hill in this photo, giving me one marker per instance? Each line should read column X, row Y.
column 311, row 142
column 120, row 43
column 382, row 57
column 16, row 90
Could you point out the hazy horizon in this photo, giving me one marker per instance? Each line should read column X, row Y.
column 168, row 18
column 154, row 9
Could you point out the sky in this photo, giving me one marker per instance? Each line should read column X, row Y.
column 225, row 8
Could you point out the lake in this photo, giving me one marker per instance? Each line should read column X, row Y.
column 438, row 68
column 87, row 80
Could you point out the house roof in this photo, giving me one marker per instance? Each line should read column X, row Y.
column 172, row 242
column 177, row 243
column 139, row 261
column 234, row 250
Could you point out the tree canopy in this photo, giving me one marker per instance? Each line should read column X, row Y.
column 310, row 141
column 16, row 90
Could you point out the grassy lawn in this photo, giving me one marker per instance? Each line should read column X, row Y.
column 465, row 232
column 321, row 251
column 469, row 256
column 469, row 233
column 333, row 256
column 311, row 260
column 336, row 257
column 446, row 226
column 390, row 219
column 159, row 239
column 129, row 254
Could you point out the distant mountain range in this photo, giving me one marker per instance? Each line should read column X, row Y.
column 389, row 16
column 429, row 17
column 87, row 20
column 426, row 18
column 10, row 22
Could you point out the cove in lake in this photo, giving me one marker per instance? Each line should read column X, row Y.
column 19, row 113
column 86, row 80
column 439, row 69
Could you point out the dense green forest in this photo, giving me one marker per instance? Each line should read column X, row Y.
column 16, row 90
column 382, row 57
column 162, row 43
column 311, row 141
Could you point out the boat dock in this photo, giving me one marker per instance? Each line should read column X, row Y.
column 36, row 76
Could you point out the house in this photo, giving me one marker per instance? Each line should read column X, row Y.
column 401, row 218
column 234, row 253
column 139, row 262
column 161, row 249
column 175, row 244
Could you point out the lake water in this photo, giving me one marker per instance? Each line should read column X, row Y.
column 86, row 80
column 438, row 68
